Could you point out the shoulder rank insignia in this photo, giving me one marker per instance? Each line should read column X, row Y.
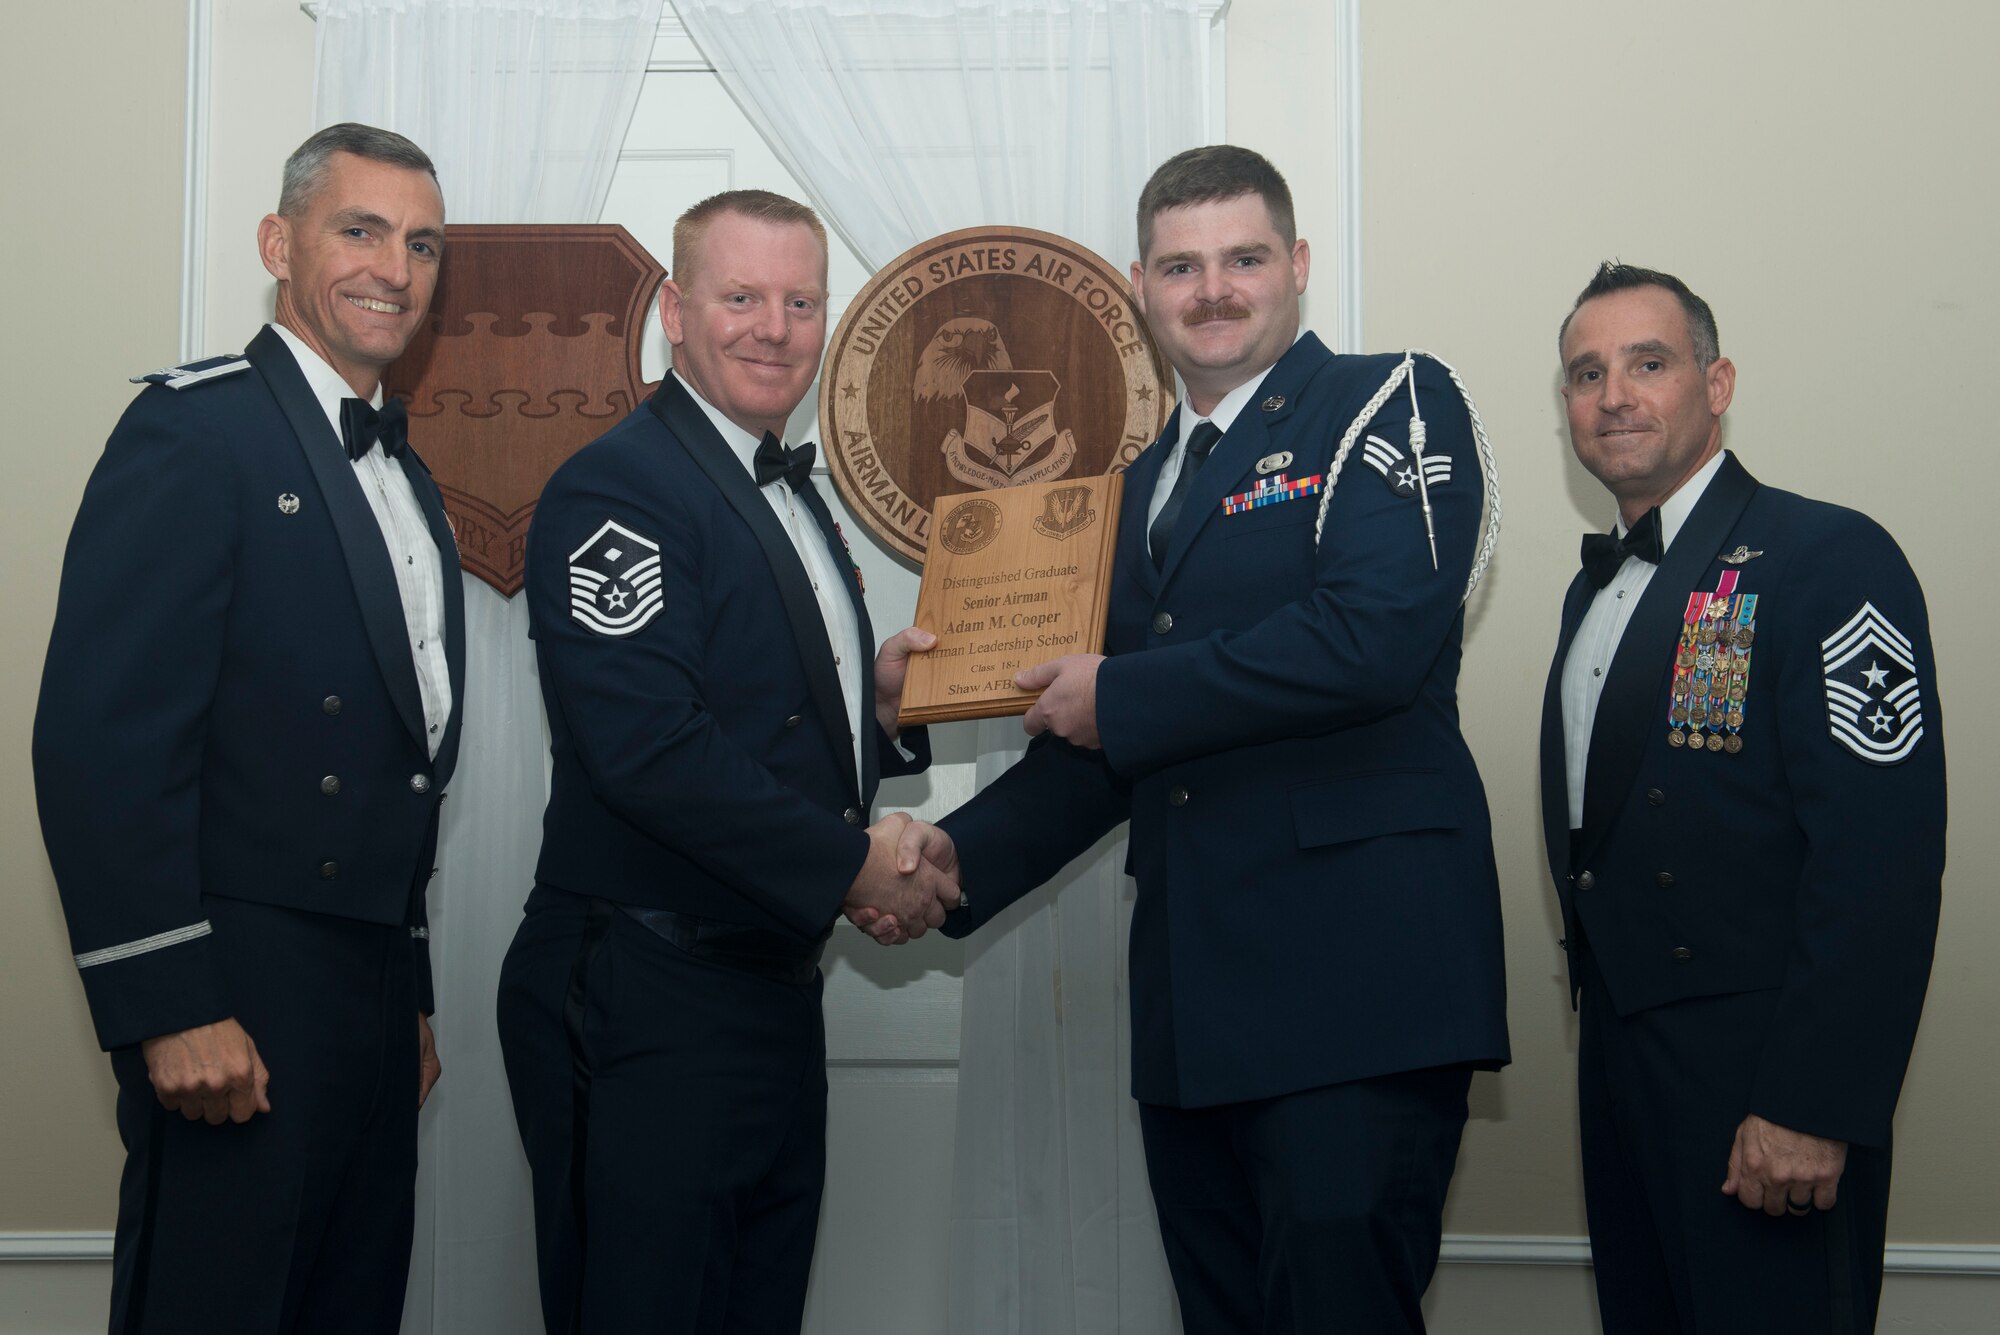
column 1399, row 470
column 1739, row 556
column 194, row 373
column 1873, row 706
column 614, row 581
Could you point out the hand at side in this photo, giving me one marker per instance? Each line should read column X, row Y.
column 429, row 1068
column 210, row 1073
column 1772, row 1167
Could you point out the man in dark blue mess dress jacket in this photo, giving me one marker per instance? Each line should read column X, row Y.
column 1743, row 789
column 246, row 724
column 718, row 733
column 1316, row 963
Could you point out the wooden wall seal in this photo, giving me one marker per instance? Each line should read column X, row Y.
column 530, row 352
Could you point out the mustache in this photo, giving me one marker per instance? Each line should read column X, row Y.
column 1202, row 312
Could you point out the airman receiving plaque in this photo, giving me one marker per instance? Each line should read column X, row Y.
column 991, row 358
column 1016, row 576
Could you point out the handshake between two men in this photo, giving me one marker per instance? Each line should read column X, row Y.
column 908, row 883
column 910, row 879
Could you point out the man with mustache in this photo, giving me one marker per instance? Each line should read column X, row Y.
column 1315, row 958
column 717, row 735
column 1743, row 790
column 247, row 721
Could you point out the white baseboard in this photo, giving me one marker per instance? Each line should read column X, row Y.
column 1903, row 1258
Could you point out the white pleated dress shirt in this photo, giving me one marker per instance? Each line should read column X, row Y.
column 843, row 629
column 1603, row 626
column 405, row 532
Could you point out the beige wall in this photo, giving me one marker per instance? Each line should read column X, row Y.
column 1828, row 185
column 1828, row 189
column 93, row 106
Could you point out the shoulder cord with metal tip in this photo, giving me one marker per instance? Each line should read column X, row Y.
column 1489, row 471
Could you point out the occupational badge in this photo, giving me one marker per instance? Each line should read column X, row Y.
column 1874, row 707
column 614, row 581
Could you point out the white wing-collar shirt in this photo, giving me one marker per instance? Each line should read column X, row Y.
column 406, row 533
column 1603, row 626
column 836, row 609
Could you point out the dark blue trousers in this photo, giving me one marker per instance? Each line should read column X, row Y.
column 298, row 1220
column 1659, row 1097
column 1317, row 1211
column 673, row 1110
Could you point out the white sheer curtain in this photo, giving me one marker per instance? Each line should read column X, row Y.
column 523, row 105
column 903, row 119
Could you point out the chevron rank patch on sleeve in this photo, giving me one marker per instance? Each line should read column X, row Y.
column 1399, row 469
column 1873, row 706
column 614, row 581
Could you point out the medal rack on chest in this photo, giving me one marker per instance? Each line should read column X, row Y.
column 1712, row 669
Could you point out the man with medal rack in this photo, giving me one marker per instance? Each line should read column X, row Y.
column 1743, row 791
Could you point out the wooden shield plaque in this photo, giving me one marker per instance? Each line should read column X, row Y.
column 530, row 353
column 986, row 358
column 1016, row 576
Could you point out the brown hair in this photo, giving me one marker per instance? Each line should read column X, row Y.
column 1206, row 175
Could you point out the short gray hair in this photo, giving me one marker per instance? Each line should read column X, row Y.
column 306, row 169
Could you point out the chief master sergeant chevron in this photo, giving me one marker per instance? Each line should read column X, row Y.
column 247, row 721
column 1316, row 962
column 1743, row 791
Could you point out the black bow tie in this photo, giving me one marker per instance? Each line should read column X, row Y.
column 362, row 426
column 1603, row 554
column 774, row 461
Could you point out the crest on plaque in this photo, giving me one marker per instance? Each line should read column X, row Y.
column 986, row 358
column 530, row 352
column 970, row 525
column 1066, row 512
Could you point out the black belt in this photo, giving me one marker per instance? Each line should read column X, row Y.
column 755, row 950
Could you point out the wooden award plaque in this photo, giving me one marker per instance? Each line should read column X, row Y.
column 1016, row 576
column 993, row 357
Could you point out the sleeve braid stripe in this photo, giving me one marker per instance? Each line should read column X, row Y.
column 111, row 954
